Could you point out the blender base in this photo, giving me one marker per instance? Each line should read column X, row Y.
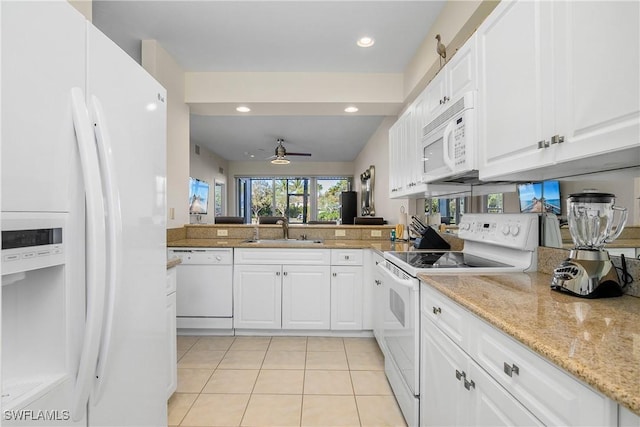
column 587, row 274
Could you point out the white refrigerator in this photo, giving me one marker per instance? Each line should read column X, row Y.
column 84, row 333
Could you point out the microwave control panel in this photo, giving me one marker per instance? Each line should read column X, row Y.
column 459, row 142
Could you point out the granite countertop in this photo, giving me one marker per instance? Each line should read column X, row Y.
column 597, row 341
column 172, row 262
column 379, row 245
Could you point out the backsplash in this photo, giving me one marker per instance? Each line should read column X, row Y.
column 550, row 258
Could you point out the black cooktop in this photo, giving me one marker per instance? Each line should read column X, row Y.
column 444, row 260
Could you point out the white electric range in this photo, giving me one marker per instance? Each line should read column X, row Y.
column 493, row 243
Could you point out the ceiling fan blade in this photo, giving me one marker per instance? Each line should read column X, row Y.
column 298, row 154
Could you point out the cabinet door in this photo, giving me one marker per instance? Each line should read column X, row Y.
column 513, row 89
column 346, row 298
column 257, row 298
column 492, row 405
column 443, row 400
column 394, row 155
column 172, row 369
column 379, row 296
column 434, row 97
column 601, row 98
column 306, row 293
column 462, row 70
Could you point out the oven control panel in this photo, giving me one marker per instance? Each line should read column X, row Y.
column 518, row 231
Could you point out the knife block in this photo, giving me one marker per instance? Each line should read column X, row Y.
column 430, row 239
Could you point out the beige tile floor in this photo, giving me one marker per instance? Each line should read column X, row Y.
column 282, row 381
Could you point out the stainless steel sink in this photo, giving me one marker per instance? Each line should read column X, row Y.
column 285, row 241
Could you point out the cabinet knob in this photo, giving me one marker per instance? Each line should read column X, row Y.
column 469, row 384
column 346, row 257
column 460, row 375
column 335, row 274
column 378, row 282
column 285, row 273
column 277, row 273
column 437, row 310
column 557, row 139
column 511, row 369
column 543, row 144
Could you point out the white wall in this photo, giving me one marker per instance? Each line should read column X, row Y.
column 208, row 166
column 376, row 153
column 166, row 70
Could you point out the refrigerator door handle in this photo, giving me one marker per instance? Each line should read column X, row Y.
column 95, row 254
column 114, row 240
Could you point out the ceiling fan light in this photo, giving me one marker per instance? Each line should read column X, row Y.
column 280, row 161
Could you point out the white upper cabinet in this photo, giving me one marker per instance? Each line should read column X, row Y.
column 559, row 91
column 458, row 76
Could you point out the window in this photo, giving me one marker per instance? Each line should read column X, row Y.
column 328, row 197
column 218, row 200
column 493, row 203
column 449, row 209
column 300, row 199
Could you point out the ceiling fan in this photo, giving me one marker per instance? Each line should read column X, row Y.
column 280, row 156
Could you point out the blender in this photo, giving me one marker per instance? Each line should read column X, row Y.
column 589, row 272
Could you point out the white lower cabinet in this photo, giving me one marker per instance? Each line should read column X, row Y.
column 474, row 374
column 172, row 344
column 346, row 297
column 456, row 391
column 270, row 294
column 257, row 296
column 306, row 296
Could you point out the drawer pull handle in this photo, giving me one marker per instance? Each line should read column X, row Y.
column 460, row 375
column 511, row 369
column 437, row 310
column 378, row 282
column 469, row 384
column 277, row 273
column 346, row 257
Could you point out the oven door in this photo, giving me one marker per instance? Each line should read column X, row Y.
column 401, row 328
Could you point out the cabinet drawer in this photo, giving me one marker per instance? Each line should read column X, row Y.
column 452, row 319
column 282, row 256
column 549, row 393
column 346, row 256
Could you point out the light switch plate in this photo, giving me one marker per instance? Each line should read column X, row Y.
column 223, row 233
column 376, row 233
column 341, row 233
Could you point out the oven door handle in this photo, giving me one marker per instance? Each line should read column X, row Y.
column 409, row 283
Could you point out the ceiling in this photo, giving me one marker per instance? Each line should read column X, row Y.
column 275, row 36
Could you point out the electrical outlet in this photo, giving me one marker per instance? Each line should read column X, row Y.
column 223, row 233
column 341, row 233
column 376, row 233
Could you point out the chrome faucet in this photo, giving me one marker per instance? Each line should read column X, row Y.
column 285, row 227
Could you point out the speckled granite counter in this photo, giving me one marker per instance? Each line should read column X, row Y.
column 598, row 341
column 172, row 262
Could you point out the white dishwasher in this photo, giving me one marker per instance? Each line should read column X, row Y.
column 204, row 289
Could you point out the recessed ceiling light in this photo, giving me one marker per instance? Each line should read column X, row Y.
column 351, row 109
column 365, row 42
column 243, row 109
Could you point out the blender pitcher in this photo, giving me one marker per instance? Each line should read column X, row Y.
column 591, row 218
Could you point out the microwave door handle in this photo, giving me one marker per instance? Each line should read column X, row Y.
column 446, row 136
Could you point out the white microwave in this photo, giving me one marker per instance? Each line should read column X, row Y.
column 449, row 143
